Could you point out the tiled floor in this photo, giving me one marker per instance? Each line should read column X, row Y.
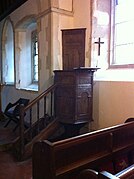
column 9, row 167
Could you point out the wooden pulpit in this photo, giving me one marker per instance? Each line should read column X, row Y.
column 74, row 96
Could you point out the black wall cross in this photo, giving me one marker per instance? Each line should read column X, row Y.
column 99, row 45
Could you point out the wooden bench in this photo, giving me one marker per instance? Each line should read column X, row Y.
column 127, row 173
column 96, row 150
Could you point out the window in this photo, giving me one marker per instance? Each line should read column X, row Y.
column 123, row 33
column 27, row 54
column 8, row 53
column 34, row 57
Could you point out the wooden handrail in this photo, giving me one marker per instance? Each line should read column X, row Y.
column 24, row 110
column 45, row 93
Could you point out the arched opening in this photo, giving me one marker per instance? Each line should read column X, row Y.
column 8, row 53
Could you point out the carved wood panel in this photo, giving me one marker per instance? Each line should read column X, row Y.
column 74, row 95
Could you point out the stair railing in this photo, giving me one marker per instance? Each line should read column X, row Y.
column 36, row 112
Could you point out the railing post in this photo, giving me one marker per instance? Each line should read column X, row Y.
column 22, row 147
column 38, row 115
column 54, row 103
column 51, row 103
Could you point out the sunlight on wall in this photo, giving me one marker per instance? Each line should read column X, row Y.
column 66, row 4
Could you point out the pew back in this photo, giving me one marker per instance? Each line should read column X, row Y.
column 63, row 159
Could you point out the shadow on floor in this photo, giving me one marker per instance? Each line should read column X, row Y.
column 9, row 167
column 6, row 133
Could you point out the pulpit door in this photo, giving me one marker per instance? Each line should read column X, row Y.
column 73, row 48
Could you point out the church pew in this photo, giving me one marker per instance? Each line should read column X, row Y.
column 127, row 173
column 66, row 158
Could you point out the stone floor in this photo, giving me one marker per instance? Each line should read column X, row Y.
column 6, row 133
column 9, row 167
